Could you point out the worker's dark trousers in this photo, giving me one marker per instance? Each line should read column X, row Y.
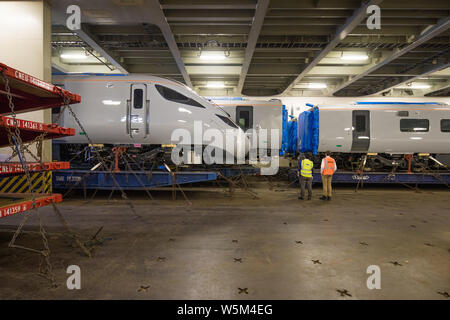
column 308, row 182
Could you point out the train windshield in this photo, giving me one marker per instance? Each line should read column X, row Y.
column 175, row 96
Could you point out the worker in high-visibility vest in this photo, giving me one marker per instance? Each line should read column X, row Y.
column 305, row 169
column 327, row 169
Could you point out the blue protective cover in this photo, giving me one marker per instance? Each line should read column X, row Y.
column 315, row 130
column 292, row 137
column 308, row 131
column 285, row 137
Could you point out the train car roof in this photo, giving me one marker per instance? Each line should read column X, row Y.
column 386, row 106
column 119, row 78
column 253, row 103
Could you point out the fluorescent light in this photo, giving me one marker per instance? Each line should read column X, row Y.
column 212, row 55
column 416, row 138
column 415, row 86
column 111, row 103
column 74, row 56
column 359, row 56
column 317, row 85
column 420, row 86
column 215, row 85
column 363, row 137
column 182, row 121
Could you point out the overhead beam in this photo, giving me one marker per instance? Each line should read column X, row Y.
column 170, row 40
column 445, row 85
column 84, row 34
column 81, row 68
column 209, row 15
column 442, row 25
column 260, row 13
column 351, row 23
column 354, row 4
column 205, row 30
column 112, row 30
column 156, row 69
column 426, row 72
column 208, row 5
column 312, row 13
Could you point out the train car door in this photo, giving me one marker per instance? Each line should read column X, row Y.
column 244, row 117
column 361, row 130
column 138, row 112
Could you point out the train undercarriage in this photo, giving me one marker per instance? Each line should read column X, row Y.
column 148, row 157
column 116, row 157
column 128, row 157
column 381, row 162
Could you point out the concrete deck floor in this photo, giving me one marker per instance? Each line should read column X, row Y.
column 188, row 252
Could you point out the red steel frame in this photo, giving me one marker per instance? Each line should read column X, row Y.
column 30, row 93
column 31, row 129
column 25, row 205
column 7, row 168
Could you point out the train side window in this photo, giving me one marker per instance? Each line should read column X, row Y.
column 244, row 119
column 138, row 98
column 360, row 122
column 414, row 125
column 175, row 96
column 445, row 125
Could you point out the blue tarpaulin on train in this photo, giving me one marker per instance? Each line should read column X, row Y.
column 308, row 131
column 285, row 137
column 292, row 137
column 289, row 138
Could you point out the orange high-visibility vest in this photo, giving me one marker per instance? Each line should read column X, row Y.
column 328, row 169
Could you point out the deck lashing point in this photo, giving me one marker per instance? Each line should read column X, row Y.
column 344, row 292
column 243, row 290
column 143, row 288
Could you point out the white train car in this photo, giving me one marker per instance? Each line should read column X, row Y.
column 140, row 109
column 392, row 128
column 256, row 114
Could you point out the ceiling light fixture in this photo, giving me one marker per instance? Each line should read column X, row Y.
column 354, row 56
column 212, row 55
column 415, row 86
column 74, row 55
column 420, row 86
column 317, row 85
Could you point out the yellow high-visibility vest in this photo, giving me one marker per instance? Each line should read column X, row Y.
column 307, row 166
